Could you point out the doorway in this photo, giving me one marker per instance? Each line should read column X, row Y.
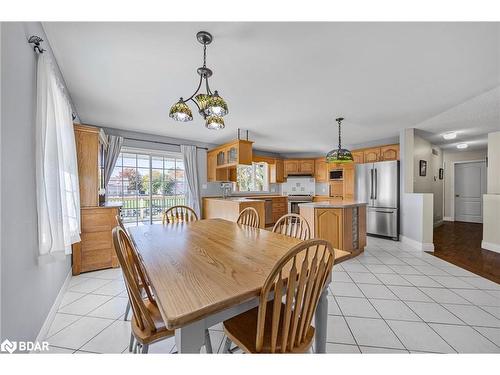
column 470, row 185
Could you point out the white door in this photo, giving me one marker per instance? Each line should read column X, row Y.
column 470, row 185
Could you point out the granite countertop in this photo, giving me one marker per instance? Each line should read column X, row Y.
column 339, row 204
column 236, row 199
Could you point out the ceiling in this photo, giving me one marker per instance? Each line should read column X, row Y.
column 286, row 82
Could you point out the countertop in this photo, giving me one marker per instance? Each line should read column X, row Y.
column 331, row 204
column 235, row 199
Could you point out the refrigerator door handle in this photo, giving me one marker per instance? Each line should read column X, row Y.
column 371, row 183
column 376, row 184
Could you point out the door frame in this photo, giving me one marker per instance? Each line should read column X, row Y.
column 452, row 175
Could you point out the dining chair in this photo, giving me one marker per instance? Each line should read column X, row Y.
column 249, row 216
column 143, row 287
column 179, row 214
column 293, row 225
column 119, row 221
column 147, row 324
column 283, row 324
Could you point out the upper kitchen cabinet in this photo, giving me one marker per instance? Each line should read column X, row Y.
column 371, row 155
column 223, row 160
column 389, row 152
column 299, row 167
column 358, row 157
column 321, row 170
column 382, row 153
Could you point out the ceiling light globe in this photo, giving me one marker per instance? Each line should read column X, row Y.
column 450, row 135
column 215, row 123
column 462, row 146
column 180, row 111
column 216, row 106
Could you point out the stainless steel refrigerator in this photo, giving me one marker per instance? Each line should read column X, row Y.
column 378, row 185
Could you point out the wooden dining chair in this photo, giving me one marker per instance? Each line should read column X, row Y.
column 293, row 225
column 147, row 324
column 143, row 287
column 179, row 214
column 119, row 221
column 275, row 326
column 249, row 216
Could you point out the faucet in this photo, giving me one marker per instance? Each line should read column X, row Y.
column 226, row 188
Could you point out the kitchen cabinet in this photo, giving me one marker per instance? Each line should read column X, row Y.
column 279, row 208
column 371, row 155
column 299, row 167
column 223, row 160
column 321, row 170
column 390, row 152
column 374, row 154
column 358, row 157
column 348, row 183
column 279, row 171
column 87, row 153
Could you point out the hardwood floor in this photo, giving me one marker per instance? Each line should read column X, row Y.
column 460, row 243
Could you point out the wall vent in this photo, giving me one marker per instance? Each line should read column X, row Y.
column 435, row 152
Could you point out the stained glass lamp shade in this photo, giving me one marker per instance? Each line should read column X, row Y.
column 180, row 111
column 215, row 123
column 339, row 155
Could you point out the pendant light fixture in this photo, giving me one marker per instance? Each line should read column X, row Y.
column 339, row 155
column 210, row 105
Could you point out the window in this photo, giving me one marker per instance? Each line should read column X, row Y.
column 146, row 184
column 252, row 177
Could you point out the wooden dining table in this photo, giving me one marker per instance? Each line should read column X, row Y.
column 205, row 272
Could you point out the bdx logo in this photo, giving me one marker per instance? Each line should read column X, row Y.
column 8, row 346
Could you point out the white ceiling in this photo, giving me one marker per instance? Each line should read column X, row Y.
column 286, row 82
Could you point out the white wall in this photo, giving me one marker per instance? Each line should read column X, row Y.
column 28, row 289
column 416, row 209
column 493, row 163
column 430, row 183
column 449, row 158
column 491, row 200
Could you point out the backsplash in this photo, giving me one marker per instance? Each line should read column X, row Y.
column 298, row 185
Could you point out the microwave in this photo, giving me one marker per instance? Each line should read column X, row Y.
column 336, row 174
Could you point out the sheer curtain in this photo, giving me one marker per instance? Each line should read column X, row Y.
column 58, row 196
column 191, row 172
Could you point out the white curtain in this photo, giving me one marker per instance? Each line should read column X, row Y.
column 58, row 196
column 191, row 173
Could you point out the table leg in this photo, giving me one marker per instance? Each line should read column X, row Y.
column 190, row 338
column 321, row 322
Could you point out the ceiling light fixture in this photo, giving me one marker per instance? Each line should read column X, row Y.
column 339, row 155
column 450, row 135
column 461, row 146
column 210, row 105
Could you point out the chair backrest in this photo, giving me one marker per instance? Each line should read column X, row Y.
column 179, row 214
column 249, row 216
column 300, row 276
column 293, row 225
column 119, row 221
column 134, row 276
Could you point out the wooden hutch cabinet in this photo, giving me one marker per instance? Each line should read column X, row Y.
column 95, row 251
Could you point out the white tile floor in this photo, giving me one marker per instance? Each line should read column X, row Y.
column 390, row 299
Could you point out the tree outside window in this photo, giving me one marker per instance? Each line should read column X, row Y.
column 252, row 177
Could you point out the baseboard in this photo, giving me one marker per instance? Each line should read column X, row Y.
column 438, row 223
column 423, row 246
column 53, row 310
column 448, row 218
column 490, row 246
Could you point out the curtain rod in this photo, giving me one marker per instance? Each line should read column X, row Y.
column 163, row 143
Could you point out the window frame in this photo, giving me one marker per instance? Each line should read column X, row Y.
column 266, row 183
column 178, row 198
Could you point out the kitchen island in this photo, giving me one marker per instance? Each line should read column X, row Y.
column 342, row 223
column 229, row 208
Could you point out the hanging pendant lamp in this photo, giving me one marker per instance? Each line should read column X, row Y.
column 210, row 105
column 339, row 155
